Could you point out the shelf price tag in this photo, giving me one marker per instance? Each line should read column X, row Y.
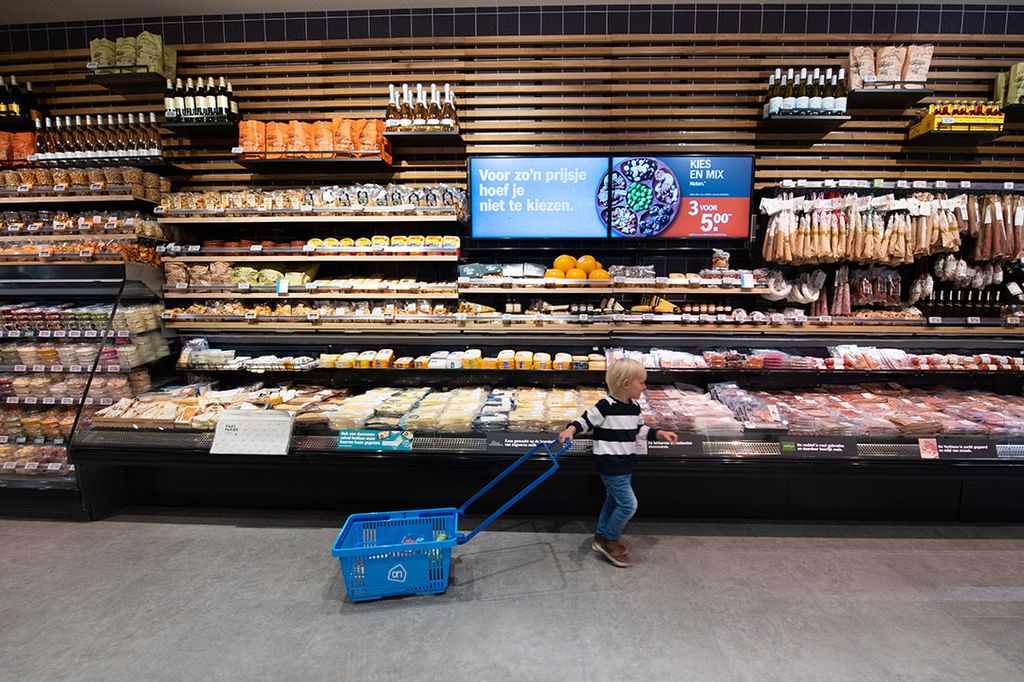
column 934, row 320
column 45, row 253
column 166, row 316
column 237, row 150
column 159, row 210
column 825, row 319
column 74, row 369
column 34, row 227
column 49, row 401
column 123, row 334
column 54, row 466
column 940, row 184
column 181, row 285
column 96, row 187
column 777, row 318
column 31, row 466
column 91, row 333
column 20, row 368
column 306, row 208
column 1013, row 320
column 106, row 401
column 31, row 400
column 45, row 333
column 38, row 368
column 85, row 253
column 648, row 317
column 194, row 248
column 902, row 184
column 10, row 466
column 59, row 333
column 1008, row 185
column 256, row 248
column 312, row 317
column 12, row 400
column 75, row 334
column 67, row 401
column 919, row 184
column 244, row 286
column 973, row 320
column 250, row 316
column 965, row 184
column 24, row 189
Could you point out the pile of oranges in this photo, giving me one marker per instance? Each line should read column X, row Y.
column 585, row 267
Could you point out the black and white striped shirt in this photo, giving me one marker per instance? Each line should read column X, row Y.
column 617, row 426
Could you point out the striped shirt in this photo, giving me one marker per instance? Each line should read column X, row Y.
column 617, row 427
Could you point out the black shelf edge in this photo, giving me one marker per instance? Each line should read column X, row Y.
column 1013, row 113
column 426, row 139
column 956, row 138
column 798, row 124
column 16, row 124
column 202, row 130
column 121, row 80
column 312, row 165
column 886, row 98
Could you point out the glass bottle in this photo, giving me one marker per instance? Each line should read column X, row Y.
column 841, row 92
column 405, row 109
column 391, row 114
column 232, row 103
column 419, row 112
column 803, row 95
column 179, row 99
column 434, row 109
column 156, row 146
column 449, row 117
column 190, row 101
column 223, row 105
column 170, row 113
column 14, row 99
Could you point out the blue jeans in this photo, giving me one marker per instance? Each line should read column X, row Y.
column 619, row 506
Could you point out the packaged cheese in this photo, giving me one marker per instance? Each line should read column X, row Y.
column 365, row 359
column 415, row 240
column 490, row 363
column 472, row 359
column 347, row 360
column 562, row 361
column 379, row 240
column 403, row 363
column 524, row 359
column 329, row 360
column 542, row 361
column 506, row 359
column 383, row 358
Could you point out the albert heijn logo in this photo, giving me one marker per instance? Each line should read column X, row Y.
column 397, row 574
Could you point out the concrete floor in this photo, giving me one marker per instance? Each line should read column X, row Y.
column 181, row 597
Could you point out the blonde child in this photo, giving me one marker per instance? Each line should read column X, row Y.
column 617, row 425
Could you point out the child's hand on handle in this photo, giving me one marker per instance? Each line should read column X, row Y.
column 566, row 435
column 667, row 436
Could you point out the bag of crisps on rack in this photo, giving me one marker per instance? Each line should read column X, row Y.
column 299, row 136
column 342, row 128
column 150, row 51
column 126, row 51
column 103, row 51
column 277, row 139
column 323, row 137
column 252, row 136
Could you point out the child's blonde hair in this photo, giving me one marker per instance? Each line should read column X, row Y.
column 622, row 371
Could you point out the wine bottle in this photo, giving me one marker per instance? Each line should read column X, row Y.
column 190, row 100
column 828, row 95
column 803, row 95
column 223, row 101
column 35, row 111
column 449, row 116
column 5, row 99
column 841, row 93
column 434, row 109
column 775, row 95
column 766, row 108
column 391, row 114
column 130, row 147
column 405, row 110
column 211, row 99
column 419, row 112
column 157, row 145
column 179, row 100
column 232, row 104
column 39, row 141
column 89, row 140
column 817, row 95
column 14, row 98
column 201, row 113
column 170, row 113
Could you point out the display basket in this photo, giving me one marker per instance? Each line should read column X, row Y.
column 409, row 552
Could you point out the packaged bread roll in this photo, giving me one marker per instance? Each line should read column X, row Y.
column 889, row 63
column 918, row 61
column 864, row 57
column 103, row 51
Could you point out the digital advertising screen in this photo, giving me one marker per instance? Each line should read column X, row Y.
column 682, row 197
column 595, row 197
column 530, row 197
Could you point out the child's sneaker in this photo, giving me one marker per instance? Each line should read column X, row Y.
column 614, row 552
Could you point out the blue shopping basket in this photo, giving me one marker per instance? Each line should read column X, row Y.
column 410, row 552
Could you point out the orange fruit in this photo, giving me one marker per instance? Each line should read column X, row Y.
column 576, row 273
column 555, row 273
column 588, row 264
column 565, row 263
column 599, row 273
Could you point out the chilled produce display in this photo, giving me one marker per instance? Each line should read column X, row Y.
column 806, row 94
column 366, row 198
column 422, row 110
column 17, row 104
column 337, row 138
column 200, row 102
column 145, row 52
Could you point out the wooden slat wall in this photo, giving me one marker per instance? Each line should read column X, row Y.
column 569, row 94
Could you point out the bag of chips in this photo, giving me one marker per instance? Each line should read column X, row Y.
column 277, row 139
column 170, row 62
column 889, row 63
column 150, row 51
column 342, row 128
column 323, row 137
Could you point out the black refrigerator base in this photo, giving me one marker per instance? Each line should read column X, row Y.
column 678, row 488
column 42, row 504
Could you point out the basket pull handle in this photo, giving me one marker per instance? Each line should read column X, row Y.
column 553, row 450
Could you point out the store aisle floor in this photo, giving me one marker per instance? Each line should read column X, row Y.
column 249, row 598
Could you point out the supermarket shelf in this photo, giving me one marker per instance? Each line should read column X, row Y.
column 305, row 164
column 612, row 289
column 574, row 328
column 954, row 138
column 79, row 199
column 73, row 334
column 886, row 97
column 264, row 217
column 202, row 130
column 803, row 124
column 318, row 294
column 99, row 235
column 429, row 138
column 127, row 79
column 38, row 479
column 311, row 257
column 70, row 369
column 16, row 124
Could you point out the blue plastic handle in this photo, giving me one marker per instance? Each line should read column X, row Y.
column 549, row 448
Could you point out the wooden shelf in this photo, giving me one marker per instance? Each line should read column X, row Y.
column 320, row 258
column 429, row 138
column 803, row 124
column 220, row 130
column 318, row 218
column 954, row 138
column 127, row 79
column 886, row 98
column 340, row 295
column 64, row 199
column 300, row 164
